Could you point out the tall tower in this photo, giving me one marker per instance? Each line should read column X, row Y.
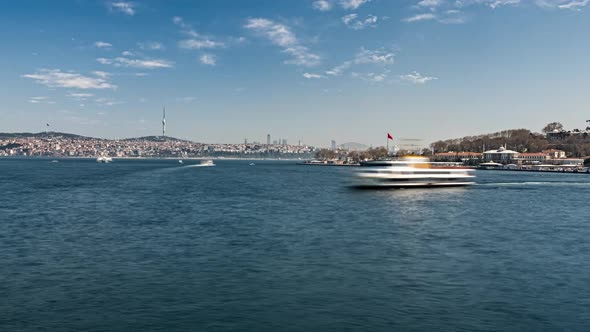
column 164, row 121
column 268, row 139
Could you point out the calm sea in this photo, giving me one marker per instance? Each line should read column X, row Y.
column 146, row 245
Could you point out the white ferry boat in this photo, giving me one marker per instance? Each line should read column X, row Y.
column 411, row 172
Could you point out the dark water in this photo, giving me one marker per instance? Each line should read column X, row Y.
column 152, row 245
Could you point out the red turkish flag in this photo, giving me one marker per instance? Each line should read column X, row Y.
column 389, row 136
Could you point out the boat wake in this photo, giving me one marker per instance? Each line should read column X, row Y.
column 534, row 183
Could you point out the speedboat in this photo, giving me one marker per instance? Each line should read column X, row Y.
column 252, row 164
column 104, row 159
column 411, row 172
column 206, row 163
column 180, row 161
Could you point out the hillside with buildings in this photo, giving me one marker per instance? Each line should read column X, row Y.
column 54, row 144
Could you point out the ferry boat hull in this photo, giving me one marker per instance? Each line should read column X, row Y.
column 411, row 173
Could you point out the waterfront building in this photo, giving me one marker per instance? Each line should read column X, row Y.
column 501, row 155
column 554, row 153
column 457, row 156
column 530, row 158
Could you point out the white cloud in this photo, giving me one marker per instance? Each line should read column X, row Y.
column 417, row 78
column 371, row 77
column 151, row 45
column 197, row 44
column 430, row 3
column 106, row 102
column 352, row 22
column 574, row 5
column 127, row 53
column 101, row 74
column 311, row 75
column 208, row 59
column 127, row 8
column 352, row 4
column 80, row 96
column 197, row 41
column 39, row 100
column 497, row 3
column 375, row 57
column 136, row 63
column 420, row 17
column 57, row 78
column 322, row 5
column 101, row 44
column 282, row 36
column 338, row 70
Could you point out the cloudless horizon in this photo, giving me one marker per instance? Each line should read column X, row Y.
column 309, row 71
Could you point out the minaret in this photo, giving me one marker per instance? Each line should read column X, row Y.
column 164, row 121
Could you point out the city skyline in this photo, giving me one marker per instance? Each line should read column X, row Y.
column 315, row 71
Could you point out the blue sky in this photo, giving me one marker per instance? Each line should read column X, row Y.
column 349, row 70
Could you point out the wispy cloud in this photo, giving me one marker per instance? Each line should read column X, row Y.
column 340, row 69
column 574, row 5
column 430, row 3
column 196, row 40
column 379, row 56
column 282, row 36
column 41, row 100
column 322, row 5
column 352, row 21
column 136, row 63
column 101, row 44
column 352, row 4
column 197, row 44
column 420, row 17
column 127, row 8
column 151, row 45
column 417, row 78
column 208, row 59
column 372, row 77
column 80, row 96
column 312, row 75
column 57, row 78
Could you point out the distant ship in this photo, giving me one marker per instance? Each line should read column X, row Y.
column 411, row 172
column 206, row 163
column 104, row 159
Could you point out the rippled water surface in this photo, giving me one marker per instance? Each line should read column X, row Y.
column 144, row 245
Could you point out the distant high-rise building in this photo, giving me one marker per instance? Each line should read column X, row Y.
column 274, row 142
column 284, row 141
column 299, row 143
column 268, row 139
column 164, row 121
column 245, row 141
column 333, row 145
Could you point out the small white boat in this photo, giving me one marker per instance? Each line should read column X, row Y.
column 104, row 159
column 55, row 161
column 206, row 163
column 411, row 172
column 180, row 162
column 252, row 164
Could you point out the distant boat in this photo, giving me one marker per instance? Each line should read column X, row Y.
column 207, row 163
column 252, row 164
column 55, row 161
column 180, row 162
column 104, row 159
